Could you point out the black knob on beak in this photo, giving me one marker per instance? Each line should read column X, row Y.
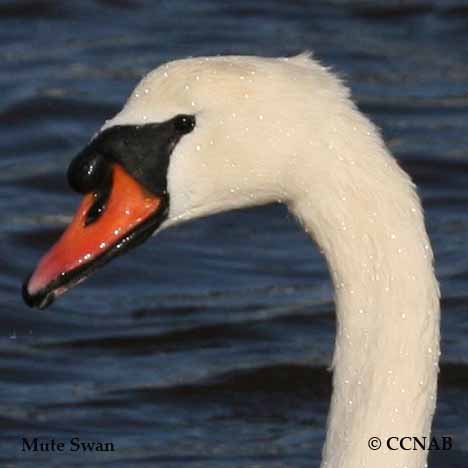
column 88, row 172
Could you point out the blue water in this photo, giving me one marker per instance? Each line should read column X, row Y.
column 208, row 346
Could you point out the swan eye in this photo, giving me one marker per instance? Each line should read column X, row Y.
column 184, row 123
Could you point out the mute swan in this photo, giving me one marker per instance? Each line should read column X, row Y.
column 204, row 135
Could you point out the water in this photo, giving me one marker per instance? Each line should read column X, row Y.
column 208, row 346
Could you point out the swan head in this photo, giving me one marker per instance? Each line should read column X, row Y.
column 196, row 137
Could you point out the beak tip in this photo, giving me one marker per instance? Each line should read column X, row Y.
column 41, row 299
column 27, row 298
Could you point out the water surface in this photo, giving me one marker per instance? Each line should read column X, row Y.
column 209, row 345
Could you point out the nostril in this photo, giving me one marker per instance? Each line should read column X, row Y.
column 99, row 205
column 88, row 172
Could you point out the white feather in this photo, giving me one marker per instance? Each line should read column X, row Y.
column 286, row 129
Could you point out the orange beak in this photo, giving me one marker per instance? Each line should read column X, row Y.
column 128, row 216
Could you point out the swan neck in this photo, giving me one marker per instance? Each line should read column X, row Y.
column 387, row 307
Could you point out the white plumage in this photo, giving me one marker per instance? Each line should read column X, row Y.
column 286, row 129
